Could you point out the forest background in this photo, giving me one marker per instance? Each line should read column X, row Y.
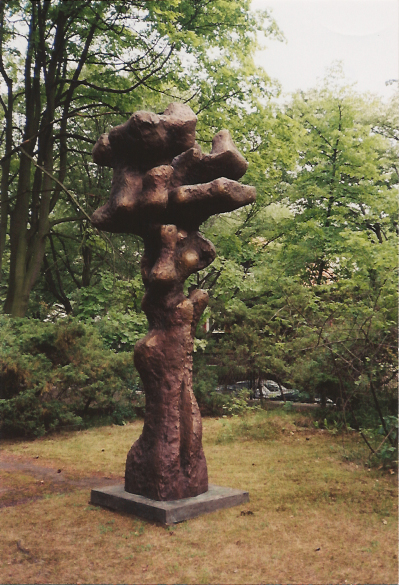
column 303, row 289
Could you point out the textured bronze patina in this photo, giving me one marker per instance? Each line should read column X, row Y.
column 163, row 188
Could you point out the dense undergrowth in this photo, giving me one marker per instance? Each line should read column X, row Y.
column 64, row 376
column 55, row 375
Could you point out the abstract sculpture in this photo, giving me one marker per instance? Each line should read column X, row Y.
column 163, row 188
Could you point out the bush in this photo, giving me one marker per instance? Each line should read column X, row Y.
column 205, row 382
column 239, row 404
column 54, row 375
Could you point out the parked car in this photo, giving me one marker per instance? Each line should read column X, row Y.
column 271, row 390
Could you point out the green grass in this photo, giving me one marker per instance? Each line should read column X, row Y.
column 318, row 514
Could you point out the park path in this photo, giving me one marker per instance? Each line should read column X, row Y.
column 45, row 481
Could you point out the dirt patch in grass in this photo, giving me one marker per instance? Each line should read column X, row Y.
column 23, row 480
column 99, row 450
column 313, row 516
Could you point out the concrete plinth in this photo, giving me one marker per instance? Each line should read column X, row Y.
column 216, row 498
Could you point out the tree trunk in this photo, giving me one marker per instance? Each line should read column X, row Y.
column 29, row 225
column 5, row 175
column 6, row 162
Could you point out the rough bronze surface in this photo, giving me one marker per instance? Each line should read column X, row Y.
column 163, row 188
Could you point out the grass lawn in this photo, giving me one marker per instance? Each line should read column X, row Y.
column 317, row 514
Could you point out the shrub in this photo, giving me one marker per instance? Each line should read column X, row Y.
column 210, row 402
column 60, row 374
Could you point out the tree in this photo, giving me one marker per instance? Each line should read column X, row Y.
column 306, row 290
column 81, row 60
column 344, row 182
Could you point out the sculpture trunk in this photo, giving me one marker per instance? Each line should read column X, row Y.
column 167, row 462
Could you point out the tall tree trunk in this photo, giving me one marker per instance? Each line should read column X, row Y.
column 6, row 162
column 29, row 225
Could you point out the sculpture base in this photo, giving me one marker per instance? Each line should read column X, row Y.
column 216, row 498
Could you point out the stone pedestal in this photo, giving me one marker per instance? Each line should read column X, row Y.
column 216, row 498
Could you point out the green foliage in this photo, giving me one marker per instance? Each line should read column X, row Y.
column 239, row 404
column 209, row 400
column 102, row 61
column 54, row 375
column 304, row 289
column 386, row 452
column 110, row 306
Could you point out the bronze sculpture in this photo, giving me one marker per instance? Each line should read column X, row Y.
column 163, row 188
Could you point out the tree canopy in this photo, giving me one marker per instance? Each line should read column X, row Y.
column 72, row 68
